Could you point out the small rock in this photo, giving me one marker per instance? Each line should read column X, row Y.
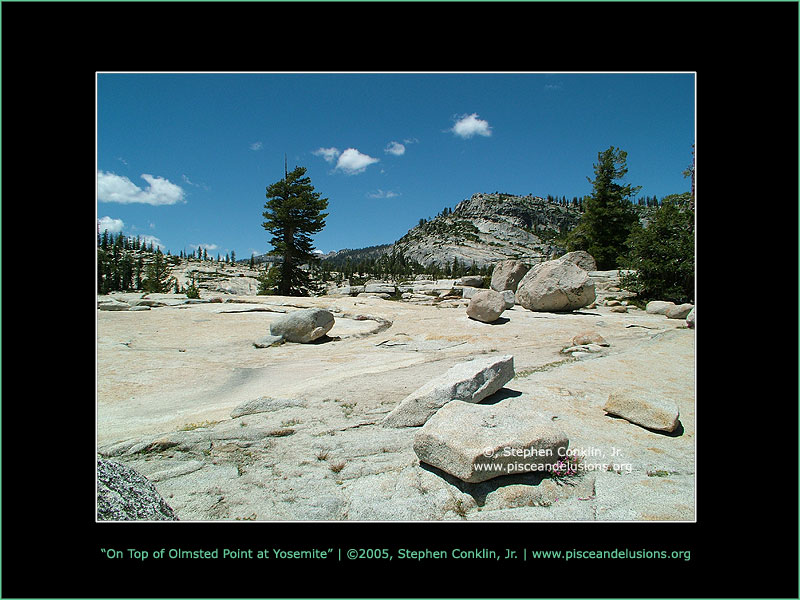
column 690, row 319
column 486, row 306
column 470, row 381
column 619, row 309
column 589, row 337
column 270, row 340
column 679, row 312
column 644, row 408
column 612, row 302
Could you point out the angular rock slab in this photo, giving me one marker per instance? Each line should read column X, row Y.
column 645, row 409
column 470, row 381
column 477, row 442
column 554, row 286
column 303, row 326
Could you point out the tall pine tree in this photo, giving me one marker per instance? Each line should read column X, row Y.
column 608, row 214
column 293, row 212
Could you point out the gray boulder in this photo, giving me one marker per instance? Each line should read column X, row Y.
column 303, row 326
column 644, row 408
column 582, row 259
column 476, row 442
column 681, row 311
column 509, row 297
column 507, row 274
column 555, row 286
column 125, row 495
column 470, row 381
column 486, row 306
column 690, row 319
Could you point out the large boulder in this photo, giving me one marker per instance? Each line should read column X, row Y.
column 647, row 409
column 303, row 326
column 123, row 494
column 477, row 442
column 470, row 381
column 507, row 274
column 486, row 306
column 581, row 258
column 555, row 286
column 690, row 319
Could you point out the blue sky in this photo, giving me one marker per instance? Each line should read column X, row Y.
column 185, row 159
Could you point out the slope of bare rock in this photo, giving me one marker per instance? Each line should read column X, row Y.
column 169, row 378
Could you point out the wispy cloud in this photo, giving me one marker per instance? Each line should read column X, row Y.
column 329, row 154
column 382, row 194
column 256, row 146
column 352, row 162
column 112, row 225
column 395, row 148
column 553, row 86
column 467, row 126
column 117, row 188
column 151, row 239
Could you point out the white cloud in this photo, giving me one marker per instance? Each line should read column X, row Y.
column 204, row 246
column 112, row 225
column 395, row 148
column 329, row 154
column 553, row 86
column 117, row 188
column 352, row 162
column 382, row 194
column 256, row 146
column 469, row 125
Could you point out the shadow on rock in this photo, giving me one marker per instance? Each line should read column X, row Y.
column 500, row 395
column 479, row 491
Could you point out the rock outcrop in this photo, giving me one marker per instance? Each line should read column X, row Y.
column 125, row 495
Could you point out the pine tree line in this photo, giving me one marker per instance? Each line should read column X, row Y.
column 128, row 264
